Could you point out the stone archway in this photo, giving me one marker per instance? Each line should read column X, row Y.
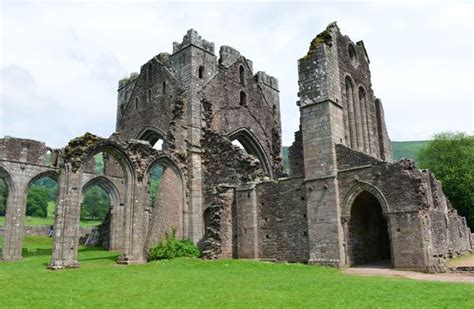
column 114, row 230
column 169, row 212
column 364, row 217
column 367, row 235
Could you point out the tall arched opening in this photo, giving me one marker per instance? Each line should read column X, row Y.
column 65, row 246
column 41, row 199
column 368, row 236
column 166, row 201
column 245, row 140
column 100, row 204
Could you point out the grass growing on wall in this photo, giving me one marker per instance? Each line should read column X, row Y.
column 197, row 283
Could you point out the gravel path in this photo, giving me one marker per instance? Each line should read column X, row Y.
column 388, row 272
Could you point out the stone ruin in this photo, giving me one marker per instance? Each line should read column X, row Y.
column 344, row 202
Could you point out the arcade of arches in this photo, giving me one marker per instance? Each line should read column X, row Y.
column 171, row 164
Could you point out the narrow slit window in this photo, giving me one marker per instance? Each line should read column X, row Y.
column 136, row 103
column 242, row 75
column 163, row 88
column 149, row 95
column 201, row 72
column 243, row 98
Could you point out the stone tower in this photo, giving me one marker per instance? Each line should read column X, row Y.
column 177, row 96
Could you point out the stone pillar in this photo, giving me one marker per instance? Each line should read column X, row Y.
column 322, row 126
column 134, row 211
column 66, row 222
column 14, row 221
column 247, row 224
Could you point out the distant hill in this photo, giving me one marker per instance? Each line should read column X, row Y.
column 407, row 149
column 399, row 149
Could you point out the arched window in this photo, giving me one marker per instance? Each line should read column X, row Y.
column 163, row 88
column 242, row 75
column 352, row 54
column 48, row 158
column 201, row 71
column 243, row 98
column 149, row 72
column 364, row 119
column 350, row 113
column 249, row 145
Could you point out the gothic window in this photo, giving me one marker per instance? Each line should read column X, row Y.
column 352, row 54
column 242, row 75
column 149, row 72
column 243, row 98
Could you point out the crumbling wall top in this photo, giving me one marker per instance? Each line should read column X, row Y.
column 193, row 38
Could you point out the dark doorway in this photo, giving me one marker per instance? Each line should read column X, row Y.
column 368, row 232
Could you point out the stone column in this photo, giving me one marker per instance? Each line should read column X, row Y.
column 247, row 224
column 14, row 221
column 66, row 223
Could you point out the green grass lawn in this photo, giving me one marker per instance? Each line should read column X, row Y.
column 49, row 220
column 196, row 283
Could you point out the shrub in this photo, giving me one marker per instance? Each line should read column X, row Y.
column 173, row 248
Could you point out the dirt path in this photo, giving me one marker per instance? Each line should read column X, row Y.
column 464, row 261
column 388, row 272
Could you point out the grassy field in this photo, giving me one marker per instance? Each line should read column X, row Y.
column 49, row 220
column 196, row 283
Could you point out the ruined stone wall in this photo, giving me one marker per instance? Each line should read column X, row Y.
column 282, row 223
column 22, row 161
column 422, row 226
column 259, row 115
column 167, row 214
column 296, row 156
column 363, row 117
column 224, row 167
column 151, row 102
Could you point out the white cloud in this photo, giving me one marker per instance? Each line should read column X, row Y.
column 61, row 60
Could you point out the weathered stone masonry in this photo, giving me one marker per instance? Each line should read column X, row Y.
column 344, row 203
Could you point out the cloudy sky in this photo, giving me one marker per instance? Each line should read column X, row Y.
column 60, row 60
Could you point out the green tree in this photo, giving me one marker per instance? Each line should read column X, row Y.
column 95, row 204
column 37, row 202
column 450, row 156
column 3, row 197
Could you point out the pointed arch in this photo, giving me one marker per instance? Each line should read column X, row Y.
column 8, row 179
column 252, row 146
column 354, row 192
column 170, row 210
column 51, row 174
column 106, row 185
column 151, row 135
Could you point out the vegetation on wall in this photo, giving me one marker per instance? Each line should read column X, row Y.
column 450, row 156
column 171, row 248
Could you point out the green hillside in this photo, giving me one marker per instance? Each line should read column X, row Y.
column 407, row 149
column 399, row 149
